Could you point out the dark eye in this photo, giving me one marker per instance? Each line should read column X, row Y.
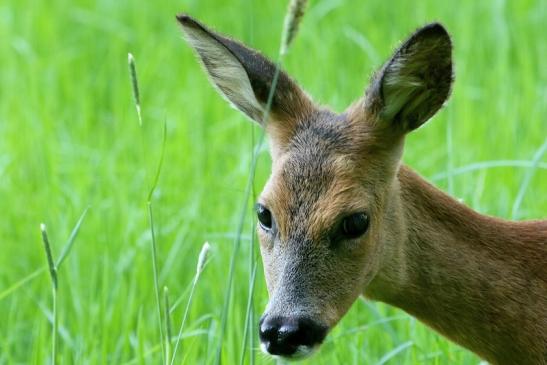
column 264, row 217
column 354, row 225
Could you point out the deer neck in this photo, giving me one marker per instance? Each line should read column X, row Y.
column 475, row 279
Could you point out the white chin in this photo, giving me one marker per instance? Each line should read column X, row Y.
column 301, row 353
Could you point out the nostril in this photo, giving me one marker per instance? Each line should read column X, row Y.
column 268, row 329
column 310, row 333
column 288, row 331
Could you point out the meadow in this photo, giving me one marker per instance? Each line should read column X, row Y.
column 70, row 139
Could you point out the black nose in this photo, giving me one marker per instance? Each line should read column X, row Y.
column 283, row 335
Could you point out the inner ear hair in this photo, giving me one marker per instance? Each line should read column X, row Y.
column 413, row 85
column 224, row 69
column 244, row 77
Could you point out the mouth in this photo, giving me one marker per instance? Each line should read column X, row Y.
column 300, row 353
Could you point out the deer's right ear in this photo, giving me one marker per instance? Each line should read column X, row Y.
column 244, row 77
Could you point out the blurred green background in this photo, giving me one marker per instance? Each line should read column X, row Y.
column 69, row 138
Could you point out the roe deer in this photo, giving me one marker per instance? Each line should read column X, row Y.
column 340, row 216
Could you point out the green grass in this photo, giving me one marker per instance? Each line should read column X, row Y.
column 69, row 138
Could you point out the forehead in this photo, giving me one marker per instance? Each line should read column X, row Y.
column 314, row 178
column 318, row 146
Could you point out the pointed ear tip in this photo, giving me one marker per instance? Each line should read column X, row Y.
column 437, row 26
column 435, row 29
column 186, row 20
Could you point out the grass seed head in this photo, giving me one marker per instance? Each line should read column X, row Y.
column 294, row 16
column 50, row 262
column 203, row 257
column 134, row 84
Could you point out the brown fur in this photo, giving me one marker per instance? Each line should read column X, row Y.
column 478, row 280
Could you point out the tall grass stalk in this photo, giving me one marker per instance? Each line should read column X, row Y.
column 154, row 245
column 293, row 17
column 224, row 316
column 53, row 275
column 136, row 97
column 248, row 317
column 156, row 280
column 53, row 267
column 250, row 314
column 199, row 269
column 168, row 327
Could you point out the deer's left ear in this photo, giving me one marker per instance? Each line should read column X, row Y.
column 415, row 82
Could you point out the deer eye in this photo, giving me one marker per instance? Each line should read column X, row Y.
column 264, row 217
column 354, row 225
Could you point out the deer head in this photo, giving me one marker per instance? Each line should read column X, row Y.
column 330, row 207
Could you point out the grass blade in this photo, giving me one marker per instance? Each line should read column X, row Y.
column 160, row 163
column 68, row 246
column 522, row 190
column 483, row 165
column 391, row 354
column 20, row 283
column 199, row 269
